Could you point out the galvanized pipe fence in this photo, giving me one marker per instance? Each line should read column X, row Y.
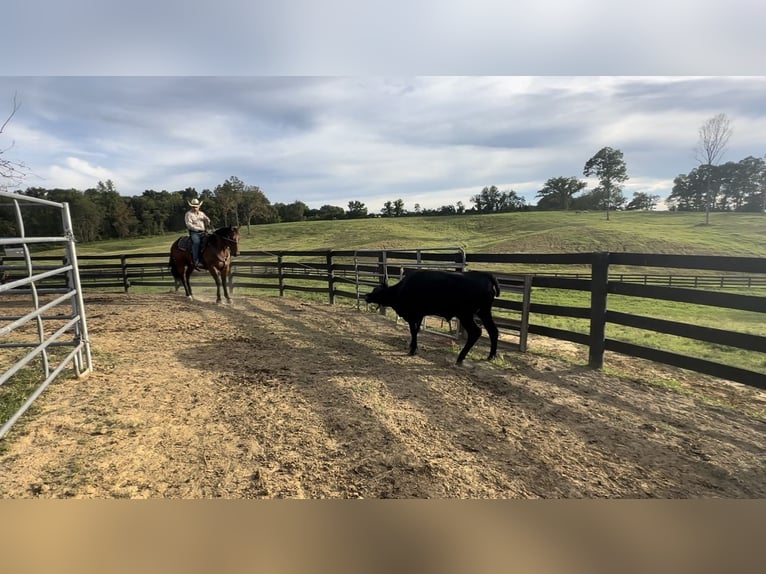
column 40, row 335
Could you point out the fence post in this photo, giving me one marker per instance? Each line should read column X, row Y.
column 383, row 275
column 330, row 277
column 460, row 260
column 525, row 304
column 124, row 264
column 598, row 292
column 280, row 273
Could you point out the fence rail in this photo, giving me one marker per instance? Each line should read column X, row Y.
column 348, row 274
column 44, row 337
column 150, row 273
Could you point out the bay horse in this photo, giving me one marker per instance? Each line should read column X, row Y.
column 216, row 252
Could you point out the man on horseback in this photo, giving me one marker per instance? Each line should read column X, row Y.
column 197, row 223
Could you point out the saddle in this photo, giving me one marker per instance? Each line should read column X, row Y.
column 185, row 244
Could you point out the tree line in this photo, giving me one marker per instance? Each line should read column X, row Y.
column 731, row 186
column 102, row 213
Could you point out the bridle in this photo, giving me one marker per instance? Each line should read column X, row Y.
column 229, row 240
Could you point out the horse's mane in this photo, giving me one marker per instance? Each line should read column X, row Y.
column 227, row 237
column 225, row 231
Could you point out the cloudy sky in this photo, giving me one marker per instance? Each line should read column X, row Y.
column 369, row 106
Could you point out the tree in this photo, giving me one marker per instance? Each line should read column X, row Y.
column 330, row 212
column 557, row 192
column 255, row 206
column 356, row 210
column 294, row 211
column 162, row 211
column 492, row 200
column 756, row 201
column 742, row 184
column 119, row 218
column 488, row 201
column 690, row 191
column 393, row 208
column 609, row 167
column 643, row 201
column 11, row 171
column 229, row 196
column 711, row 145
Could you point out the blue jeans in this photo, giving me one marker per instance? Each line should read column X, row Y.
column 196, row 238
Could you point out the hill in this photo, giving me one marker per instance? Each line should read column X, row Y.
column 732, row 234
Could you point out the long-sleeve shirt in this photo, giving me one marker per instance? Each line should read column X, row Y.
column 196, row 220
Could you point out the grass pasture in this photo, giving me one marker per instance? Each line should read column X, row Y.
column 734, row 234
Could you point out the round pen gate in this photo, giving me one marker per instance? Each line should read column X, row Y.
column 43, row 329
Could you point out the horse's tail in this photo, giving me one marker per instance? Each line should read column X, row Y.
column 173, row 269
column 172, row 262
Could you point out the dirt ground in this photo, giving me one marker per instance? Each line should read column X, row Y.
column 279, row 398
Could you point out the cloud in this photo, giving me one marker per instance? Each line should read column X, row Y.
column 76, row 174
column 393, row 38
column 337, row 139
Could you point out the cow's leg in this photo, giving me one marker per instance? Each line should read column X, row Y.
column 473, row 331
column 414, row 328
column 489, row 324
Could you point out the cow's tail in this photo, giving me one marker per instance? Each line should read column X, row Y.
column 495, row 284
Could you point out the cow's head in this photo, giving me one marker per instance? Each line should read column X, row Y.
column 377, row 295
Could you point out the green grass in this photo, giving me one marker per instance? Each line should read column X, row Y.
column 14, row 393
column 524, row 232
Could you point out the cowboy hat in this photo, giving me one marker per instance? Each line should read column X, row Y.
column 194, row 202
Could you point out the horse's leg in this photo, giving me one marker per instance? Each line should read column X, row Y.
column 187, row 284
column 217, row 277
column 225, row 281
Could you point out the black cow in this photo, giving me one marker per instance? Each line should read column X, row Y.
column 443, row 294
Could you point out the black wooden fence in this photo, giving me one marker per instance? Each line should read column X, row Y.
column 700, row 280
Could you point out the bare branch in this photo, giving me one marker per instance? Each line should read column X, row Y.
column 15, row 172
column 16, row 106
column 713, row 137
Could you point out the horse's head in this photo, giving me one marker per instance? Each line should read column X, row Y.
column 228, row 237
column 233, row 237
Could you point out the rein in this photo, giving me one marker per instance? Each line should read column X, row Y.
column 219, row 252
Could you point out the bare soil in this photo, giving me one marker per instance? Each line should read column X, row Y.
column 279, row 398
